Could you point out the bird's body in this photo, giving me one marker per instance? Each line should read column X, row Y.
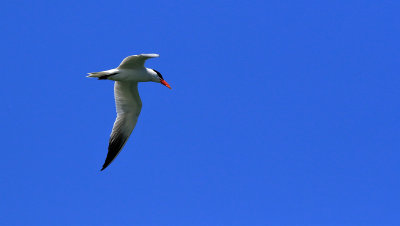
column 127, row 99
column 126, row 75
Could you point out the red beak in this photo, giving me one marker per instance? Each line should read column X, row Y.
column 165, row 83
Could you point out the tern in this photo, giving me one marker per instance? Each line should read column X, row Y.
column 127, row 75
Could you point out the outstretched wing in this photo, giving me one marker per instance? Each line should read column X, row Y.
column 129, row 105
column 136, row 61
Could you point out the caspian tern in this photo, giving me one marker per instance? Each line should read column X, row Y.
column 127, row 99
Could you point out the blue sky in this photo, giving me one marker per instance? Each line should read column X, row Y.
column 281, row 113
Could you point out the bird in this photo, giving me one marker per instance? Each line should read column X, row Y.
column 128, row 104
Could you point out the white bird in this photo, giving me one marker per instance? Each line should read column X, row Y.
column 127, row 99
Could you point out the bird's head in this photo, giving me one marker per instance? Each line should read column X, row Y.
column 157, row 77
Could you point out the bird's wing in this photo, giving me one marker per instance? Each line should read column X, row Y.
column 128, row 104
column 136, row 61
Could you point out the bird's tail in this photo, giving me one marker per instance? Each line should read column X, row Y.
column 101, row 75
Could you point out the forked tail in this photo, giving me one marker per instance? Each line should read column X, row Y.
column 102, row 74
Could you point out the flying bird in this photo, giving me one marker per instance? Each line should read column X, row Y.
column 127, row 75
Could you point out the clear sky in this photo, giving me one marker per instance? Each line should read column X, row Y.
column 281, row 113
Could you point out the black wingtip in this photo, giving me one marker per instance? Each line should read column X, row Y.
column 106, row 164
column 104, row 167
column 116, row 143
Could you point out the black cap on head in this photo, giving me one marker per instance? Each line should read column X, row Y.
column 159, row 74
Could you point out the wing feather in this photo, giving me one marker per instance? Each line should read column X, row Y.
column 136, row 61
column 128, row 105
